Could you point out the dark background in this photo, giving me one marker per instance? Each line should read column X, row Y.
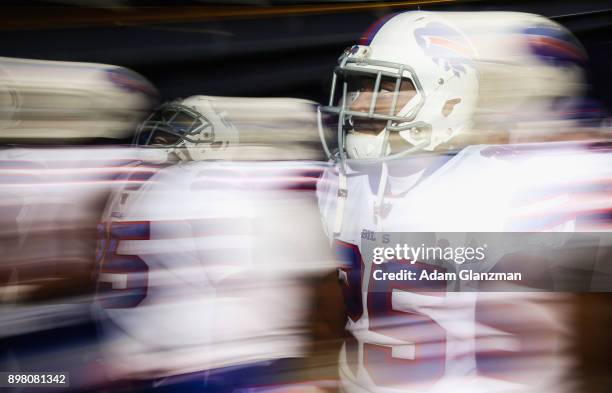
column 250, row 48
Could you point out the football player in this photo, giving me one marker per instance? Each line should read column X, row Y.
column 206, row 267
column 421, row 109
column 52, row 193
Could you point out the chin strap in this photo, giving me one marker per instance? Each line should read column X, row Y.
column 340, row 200
column 380, row 197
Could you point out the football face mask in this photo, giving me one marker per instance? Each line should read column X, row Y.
column 173, row 124
column 372, row 99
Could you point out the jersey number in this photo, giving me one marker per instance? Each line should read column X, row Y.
column 123, row 279
column 422, row 358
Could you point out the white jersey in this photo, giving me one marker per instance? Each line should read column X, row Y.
column 410, row 340
column 51, row 199
column 202, row 267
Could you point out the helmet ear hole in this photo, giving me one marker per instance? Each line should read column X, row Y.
column 449, row 105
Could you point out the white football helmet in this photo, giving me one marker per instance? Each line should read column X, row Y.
column 189, row 129
column 70, row 102
column 417, row 80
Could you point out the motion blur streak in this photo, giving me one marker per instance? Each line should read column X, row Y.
column 47, row 101
column 88, row 17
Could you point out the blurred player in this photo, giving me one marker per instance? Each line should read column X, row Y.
column 205, row 268
column 421, row 105
column 52, row 193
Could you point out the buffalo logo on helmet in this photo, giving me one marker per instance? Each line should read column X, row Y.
column 446, row 46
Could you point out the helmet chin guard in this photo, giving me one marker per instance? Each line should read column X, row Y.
column 359, row 145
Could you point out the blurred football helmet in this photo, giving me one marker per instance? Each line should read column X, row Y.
column 63, row 102
column 417, row 80
column 189, row 129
